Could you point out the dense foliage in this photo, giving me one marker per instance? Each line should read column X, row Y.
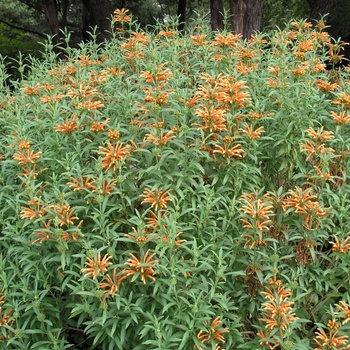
column 162, row 191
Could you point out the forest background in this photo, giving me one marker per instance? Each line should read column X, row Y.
column 25, row 23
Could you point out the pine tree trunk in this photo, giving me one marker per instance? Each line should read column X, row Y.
column 181, row 12
column 246, row 16
column 98, row 14
column 319, row 8
column 51, row 14
column 216, row 14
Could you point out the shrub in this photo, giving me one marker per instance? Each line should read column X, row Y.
column 162, row 191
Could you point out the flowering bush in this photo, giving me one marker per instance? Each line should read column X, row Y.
column 162, row 191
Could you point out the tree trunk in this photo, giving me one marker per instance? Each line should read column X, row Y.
column 319, row 8
column 216, row 14
column 181, row 12
column 246, row 16
column 98, row 14
column 51, row 14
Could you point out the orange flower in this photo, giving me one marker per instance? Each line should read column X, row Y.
column 90, row 105
column 168, row 33
column 67, row 127
column 340, row 118
column 157, row 199
column 29, row 213
column 214, row 119
column 142, row 266
column 341, row 247
column 139, row 238
column 27, row 157
column 113, row 155
column 320, row 134
column 343, row 99
column 97, row 126
column 252, row 134
column 278, row 310
column 113, row 134
column 43, row 235
column 159, row 76
column 96, row 266
column 325, row 85
column 64, row 214
column 226, row 151
column 213, row 331
column 80, row 184
column 344, row 310
column 198, row 40
column 230, row 40
column 24, row 145
column 122, row 15
column 160, row 140
column 111, row 285
column 305, row 204
column 332, row 340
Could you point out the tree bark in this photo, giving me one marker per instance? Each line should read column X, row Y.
column 319, row 8
column 51, row 14
column 216, row 14
column 98, row 14
column 246, row 16
column 181, row 12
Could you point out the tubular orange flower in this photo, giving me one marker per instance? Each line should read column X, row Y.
column 341, row 247
column 29, row 213
column 66, row 127
column 343, row 99
column 344, row 311
column 113, row 155
column 320, row 134
column 325, row 85
column 139, row 238
column 230, row 40
column 111, row 285
column 340, row 118
column 122, row 15
column 142, row 266
column 214, row 119
column 80, row 184
column 90, row 105
column 27, row 157
column 64, row 214
column 158, row 199
column 278, row 310
column 113, row 134
column 198, row 40
column 160, row 140
column 213, row 331
column 96, row 266
column 43, row 235
column 332, row 340
column 226, row 151
column 252, row 134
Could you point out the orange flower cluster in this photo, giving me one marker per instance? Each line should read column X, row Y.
column 277, row 312
column 114, row 155
column 304, row 203
column 122, row 15
column 156, row 92
column 95, row 266
column 213, row 331
column 333, row 337
column 257, row 218
column 142, row 266
column 5, row 318
column 341, row 247
column 317, row 153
